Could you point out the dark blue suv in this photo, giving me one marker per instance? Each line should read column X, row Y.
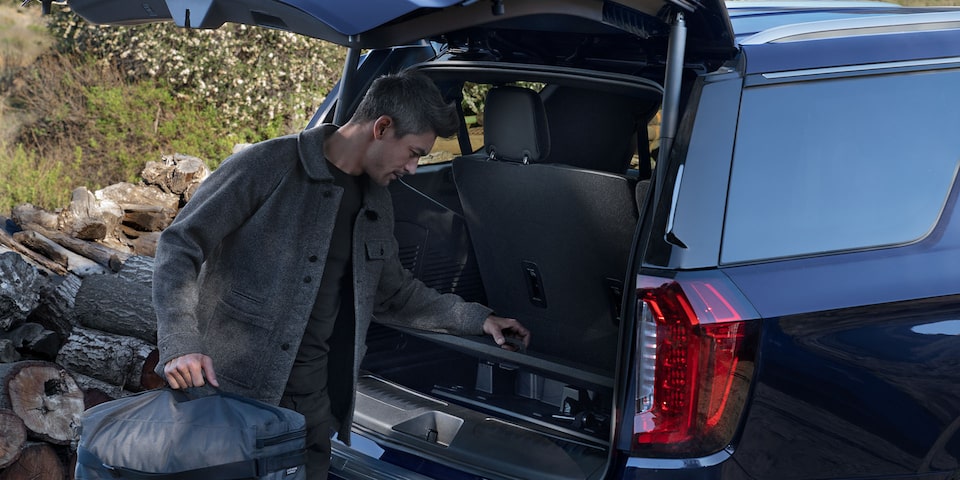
column 731, row 228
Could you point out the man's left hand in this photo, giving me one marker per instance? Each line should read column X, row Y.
column 500, row 328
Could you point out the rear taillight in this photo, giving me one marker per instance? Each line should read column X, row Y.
column 694, row 351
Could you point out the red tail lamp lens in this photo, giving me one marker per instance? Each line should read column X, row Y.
column 696, row 343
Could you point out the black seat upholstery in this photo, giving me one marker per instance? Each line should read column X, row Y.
column 515, row 125
column 552, row 241
column 593, row 129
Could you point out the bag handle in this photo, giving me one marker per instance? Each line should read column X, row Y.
column 208, row 390
column 194, row 393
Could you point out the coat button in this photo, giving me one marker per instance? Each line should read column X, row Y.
column 285, row 347
column 327, row 194
column 307, row 279
column 312, row 258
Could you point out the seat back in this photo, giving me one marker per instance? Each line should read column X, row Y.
column 552, row 241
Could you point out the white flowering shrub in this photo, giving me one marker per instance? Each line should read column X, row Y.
column 268, row 80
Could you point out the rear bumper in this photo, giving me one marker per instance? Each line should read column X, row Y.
column 719, row 466
column 362, row 461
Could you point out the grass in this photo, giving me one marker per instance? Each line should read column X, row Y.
column 26, row 178
column 68, row 121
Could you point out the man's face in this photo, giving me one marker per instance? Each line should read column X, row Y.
column 390, row 157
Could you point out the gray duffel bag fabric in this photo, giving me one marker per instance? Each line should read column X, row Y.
column 167, row 434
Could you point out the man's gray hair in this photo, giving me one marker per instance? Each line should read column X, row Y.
column 414, row 103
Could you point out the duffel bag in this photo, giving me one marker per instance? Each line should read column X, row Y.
column 167, row 434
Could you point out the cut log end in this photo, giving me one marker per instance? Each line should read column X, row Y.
column 13, row 436
column 46, row 398
column 37, row 461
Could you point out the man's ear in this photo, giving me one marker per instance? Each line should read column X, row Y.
column 380, row 126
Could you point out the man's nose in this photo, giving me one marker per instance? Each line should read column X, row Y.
column 411, row 167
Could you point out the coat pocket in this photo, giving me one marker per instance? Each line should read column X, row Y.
column 377, row 249
column 238, row 339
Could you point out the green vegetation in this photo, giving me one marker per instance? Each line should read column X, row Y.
column 89, row 105
column 25, row 178
column 97, row 103
column 132, row 122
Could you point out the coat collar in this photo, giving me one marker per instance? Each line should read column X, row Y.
column 310, row 144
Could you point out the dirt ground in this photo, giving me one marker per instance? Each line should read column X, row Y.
column 23, row 37
column 448, row 148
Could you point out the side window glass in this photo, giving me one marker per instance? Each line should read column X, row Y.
column 446, row 149
column 652, row 147
column 840, row 164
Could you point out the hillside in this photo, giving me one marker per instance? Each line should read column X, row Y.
column 23, row 37
column 86, row 105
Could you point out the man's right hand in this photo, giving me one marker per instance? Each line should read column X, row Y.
column 189, row 371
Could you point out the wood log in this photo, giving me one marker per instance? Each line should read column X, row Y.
column 20, row 285
column 115, row 359
column 138, row 269
column 96, row 391
column 113, row 304
column 45, row 397
column 104, row 255
column 70, row 463
column 33, row 340
column 143, row 243
column 82, row 218
column 148, row 375
column 73, row 262
column 94, row 397
column 8, row 352
column 41, row 263
column 40, row 244
column 113, row 216
column 148, row 218
column 55, row 312
column 177, row 173
column 28, row 214
column 128, row 195
column 13, row 437
column 37, row 461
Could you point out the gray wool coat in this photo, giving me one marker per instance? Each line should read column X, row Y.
column 238, row 271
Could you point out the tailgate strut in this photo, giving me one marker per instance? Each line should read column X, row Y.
column 671, row 98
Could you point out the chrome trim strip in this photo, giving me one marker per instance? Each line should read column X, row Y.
column 642, row 463
column 862, row 68
column 673, row 200
column 848, row 26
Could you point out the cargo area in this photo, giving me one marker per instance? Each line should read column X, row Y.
column 541, row 412
column 466, row 403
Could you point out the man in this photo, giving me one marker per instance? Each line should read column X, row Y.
column 266, row 282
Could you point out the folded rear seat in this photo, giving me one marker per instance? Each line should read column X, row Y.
column 552, row 241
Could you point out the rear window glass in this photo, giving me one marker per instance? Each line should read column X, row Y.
column 841, row 164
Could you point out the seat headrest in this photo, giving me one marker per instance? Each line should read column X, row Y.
column 609, row 121
column 515, row 125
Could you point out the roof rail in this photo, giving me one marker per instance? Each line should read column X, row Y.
column 807, row 4
column 873, row 25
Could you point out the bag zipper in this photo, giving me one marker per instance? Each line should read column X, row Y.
column 281, row 438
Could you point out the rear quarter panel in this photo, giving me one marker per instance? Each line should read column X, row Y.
column 859, row 372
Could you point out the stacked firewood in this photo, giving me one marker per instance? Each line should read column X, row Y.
column 77, row 327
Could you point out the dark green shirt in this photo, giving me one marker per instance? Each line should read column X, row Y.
column 333, row 311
